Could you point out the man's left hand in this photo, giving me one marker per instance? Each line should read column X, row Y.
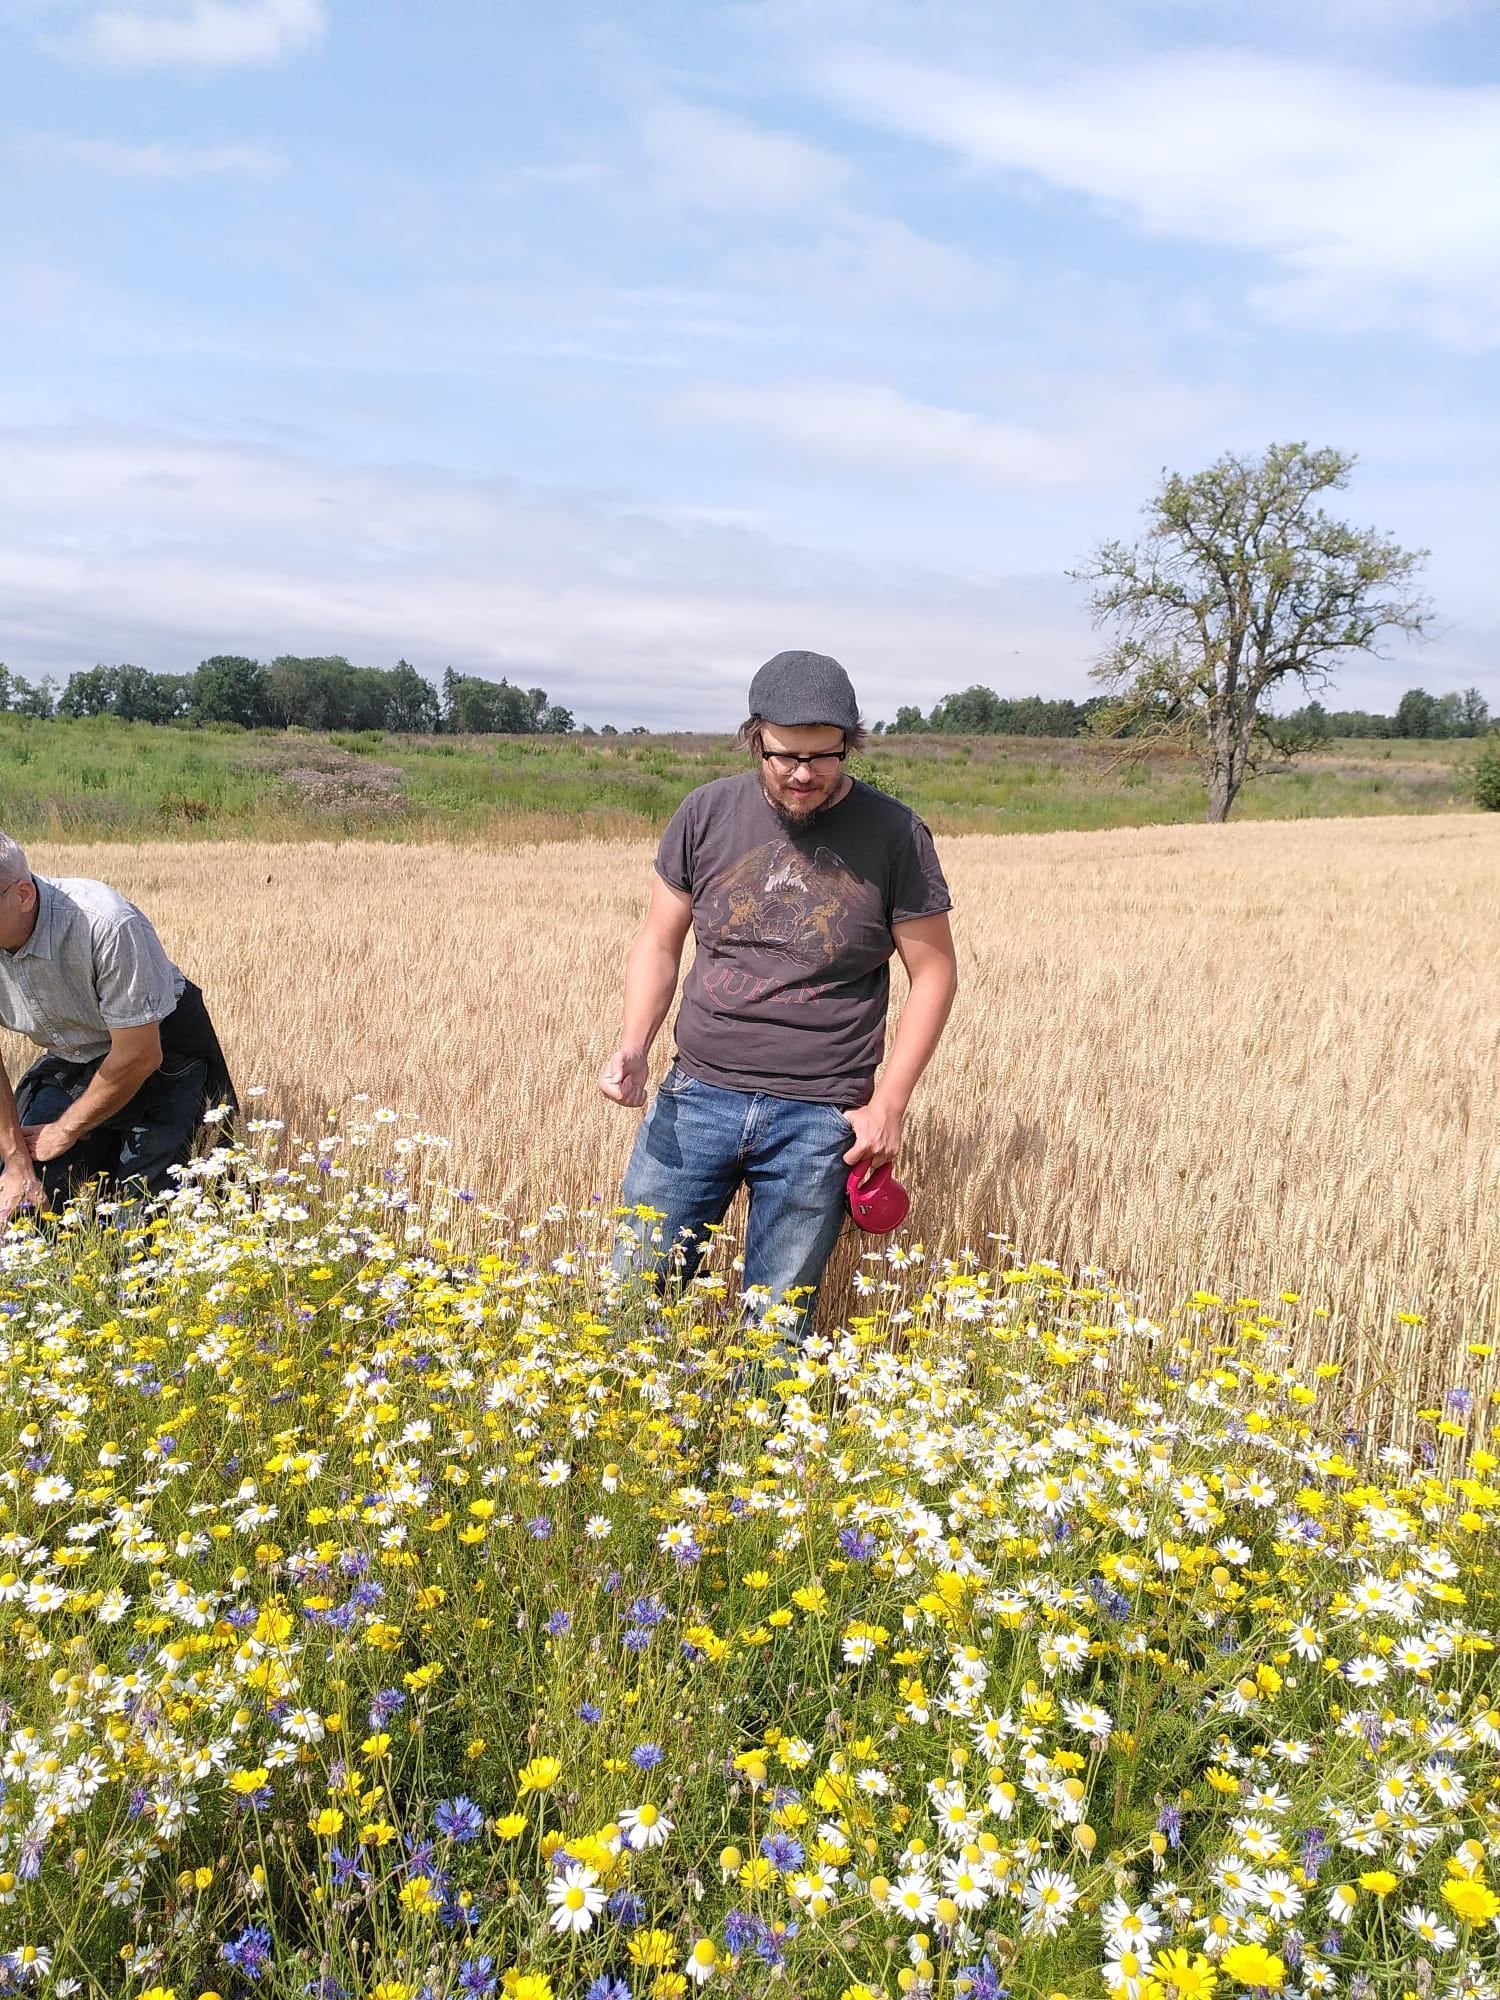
column 47, row 1142
column 877, row 1136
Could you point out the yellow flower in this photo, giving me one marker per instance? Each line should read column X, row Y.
column 417, row 1896
column 1253, row 1965
column 328, row 1822
column 392, row 1989
column 540, row 1775
column 160, row 1993
column 527, row 1985
column 1183, row 1974
column 378, row 1744
column 245, row 1782
column 1379, row 1881
column 653, row 1948
column 1471, row 1901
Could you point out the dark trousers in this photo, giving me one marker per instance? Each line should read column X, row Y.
column 138, row 1143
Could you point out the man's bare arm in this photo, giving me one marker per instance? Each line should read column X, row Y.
column 925, row 945
column 651, row 972
column 134, row 1054
column 19, row 1186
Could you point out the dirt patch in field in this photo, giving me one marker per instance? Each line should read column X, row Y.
column 321, row 778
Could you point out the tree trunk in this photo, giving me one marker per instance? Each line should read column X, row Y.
column 1224, row 767
column 1220, row 797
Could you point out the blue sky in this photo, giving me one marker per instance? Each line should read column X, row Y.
column 617, row 346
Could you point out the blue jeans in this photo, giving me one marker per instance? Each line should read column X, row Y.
column 140, row 1142
column 697, row 1144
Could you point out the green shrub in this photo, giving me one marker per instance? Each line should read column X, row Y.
column 1487, row 774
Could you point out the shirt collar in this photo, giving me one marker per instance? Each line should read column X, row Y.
column 39, row 944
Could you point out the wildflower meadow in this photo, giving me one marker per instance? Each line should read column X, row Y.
column 398, row 1604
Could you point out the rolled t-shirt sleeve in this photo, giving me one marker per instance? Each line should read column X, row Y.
column 674, row 853
column 919, row 888
column 133, row 977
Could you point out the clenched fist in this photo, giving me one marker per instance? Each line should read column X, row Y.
column 623, row 1078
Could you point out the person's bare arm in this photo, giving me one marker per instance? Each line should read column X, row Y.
column 134, row 1054
column 925, row 946
column 651, row 973
column 19, row 1186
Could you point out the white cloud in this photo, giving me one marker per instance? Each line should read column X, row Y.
column 1375, row 203
column 711, row 160
column 867, row 425
column 205, row 34
column 154, row 162
column 124, row 546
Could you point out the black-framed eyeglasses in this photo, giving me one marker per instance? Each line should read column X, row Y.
column 784, row 762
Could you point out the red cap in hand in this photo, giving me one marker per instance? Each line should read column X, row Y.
column 878, row 1204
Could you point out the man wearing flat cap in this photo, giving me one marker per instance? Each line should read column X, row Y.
column 130, row 1061
column 799, row 882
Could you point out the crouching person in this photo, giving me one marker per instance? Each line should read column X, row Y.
column 130, row 1058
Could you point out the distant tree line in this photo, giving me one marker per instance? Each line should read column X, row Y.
column 327, row 692
column 292, row 692
column 979, row 711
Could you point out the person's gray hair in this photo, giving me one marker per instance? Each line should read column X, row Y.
column 13, row 863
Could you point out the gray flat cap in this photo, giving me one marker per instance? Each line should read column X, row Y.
column 794, row 689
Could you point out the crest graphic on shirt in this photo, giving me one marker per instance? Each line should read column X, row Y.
column 781, row 898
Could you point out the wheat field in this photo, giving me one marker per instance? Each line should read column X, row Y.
column 1259, row 1057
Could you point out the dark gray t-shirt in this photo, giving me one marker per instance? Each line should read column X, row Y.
column 789, row 989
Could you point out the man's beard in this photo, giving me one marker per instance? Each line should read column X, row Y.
column 796, row 822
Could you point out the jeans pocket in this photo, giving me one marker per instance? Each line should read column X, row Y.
column 676, row 1082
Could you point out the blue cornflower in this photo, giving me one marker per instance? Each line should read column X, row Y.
column 385, row 1704
column 459, row 1819
column 1169, row 1822
column 477, row 1976
column 1316, row 1851
column 647, row 1611
column 782, row 1851
column 770, row 1943
column 646, row 1756
column 589, row 1712
column 740, row 1930
column 419, row 1858
column 635, row 1639
column 1113, row 1603
column 558, row 1623
column 627, row 1909
column 607, row 1987
column 348, row 1868
column 539, row 1528
column 984, row 1980
column 250, row 1952
column 858, row 1544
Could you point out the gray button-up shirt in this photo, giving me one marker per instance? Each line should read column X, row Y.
column 93, row 962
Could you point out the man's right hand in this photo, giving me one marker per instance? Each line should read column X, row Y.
column 19, row 1188
column 623, row 1078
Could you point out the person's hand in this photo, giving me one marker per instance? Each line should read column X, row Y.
column 623, row 1078
column 19, row 1188
column 48, row 1142
column 877, row 1136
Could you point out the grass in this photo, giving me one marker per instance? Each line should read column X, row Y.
column 105, row 780
column 1258, row 1057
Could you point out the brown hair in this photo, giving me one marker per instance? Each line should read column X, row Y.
column 748, row 736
